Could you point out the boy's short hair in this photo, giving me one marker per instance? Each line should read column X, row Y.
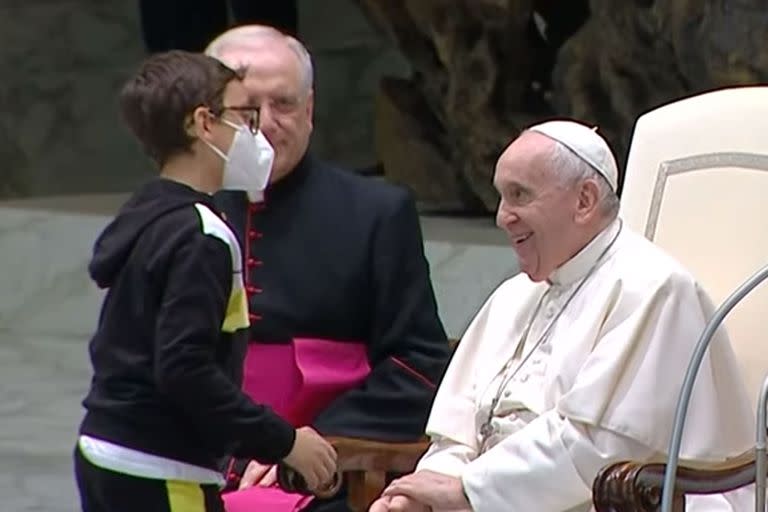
column 155, row 104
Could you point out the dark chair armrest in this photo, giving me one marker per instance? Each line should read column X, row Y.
column 635, row 486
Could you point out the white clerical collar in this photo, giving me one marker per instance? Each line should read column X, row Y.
column 577, row 267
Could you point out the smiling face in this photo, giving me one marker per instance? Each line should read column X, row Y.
column 276, row 82
column 547, row 218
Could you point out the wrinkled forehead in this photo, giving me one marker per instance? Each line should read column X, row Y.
column 264, row 57
column 528, row 159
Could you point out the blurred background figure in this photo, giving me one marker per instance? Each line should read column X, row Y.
column 191, row 24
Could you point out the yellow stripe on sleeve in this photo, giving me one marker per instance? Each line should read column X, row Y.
column 237, row 311
column 185, row 496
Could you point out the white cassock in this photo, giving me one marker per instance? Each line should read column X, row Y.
column 601, row 386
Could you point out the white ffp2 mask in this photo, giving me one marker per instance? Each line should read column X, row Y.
column 248, row 163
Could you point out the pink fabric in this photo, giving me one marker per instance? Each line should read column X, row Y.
column 264, row 499
column 300, row 379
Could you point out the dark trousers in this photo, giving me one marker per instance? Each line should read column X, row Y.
column 192, row 24
column 102, row 490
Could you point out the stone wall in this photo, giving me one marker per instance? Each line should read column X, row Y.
column 65, row 61
column 485, row 69
column 430, row 89
column 350, row 59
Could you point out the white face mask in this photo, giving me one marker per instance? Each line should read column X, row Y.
column 248, row 164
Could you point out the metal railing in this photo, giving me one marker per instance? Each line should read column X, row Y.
column 685, row 397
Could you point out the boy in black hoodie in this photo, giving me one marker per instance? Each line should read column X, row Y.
column 165, row 404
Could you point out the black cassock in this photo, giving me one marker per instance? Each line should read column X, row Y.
column 333, row 255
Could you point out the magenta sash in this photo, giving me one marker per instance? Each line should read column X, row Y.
column 298, row 380
column 264, row 499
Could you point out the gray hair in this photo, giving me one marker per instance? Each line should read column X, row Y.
column 573, row 169
column 245, row 37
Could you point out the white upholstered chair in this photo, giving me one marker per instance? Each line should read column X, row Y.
column 696, row 183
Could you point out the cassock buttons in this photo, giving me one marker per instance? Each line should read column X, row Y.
column 252, row 290
column 255, row 207
column 253, row 317
column 254, row 235
column 253, row 262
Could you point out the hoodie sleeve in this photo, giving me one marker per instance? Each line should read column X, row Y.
column 188, row 330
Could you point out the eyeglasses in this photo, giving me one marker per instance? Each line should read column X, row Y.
column 249, row 114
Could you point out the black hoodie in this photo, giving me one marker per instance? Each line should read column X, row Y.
column 168, row 351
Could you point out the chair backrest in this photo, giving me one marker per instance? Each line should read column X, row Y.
column 697, row 185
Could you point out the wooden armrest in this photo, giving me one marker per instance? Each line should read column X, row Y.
column 364, row 464
column 365, row 455
column 634, row 486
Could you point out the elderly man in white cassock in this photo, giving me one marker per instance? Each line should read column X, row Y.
column 576, row 362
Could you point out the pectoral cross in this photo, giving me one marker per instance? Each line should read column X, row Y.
column 487, row 430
